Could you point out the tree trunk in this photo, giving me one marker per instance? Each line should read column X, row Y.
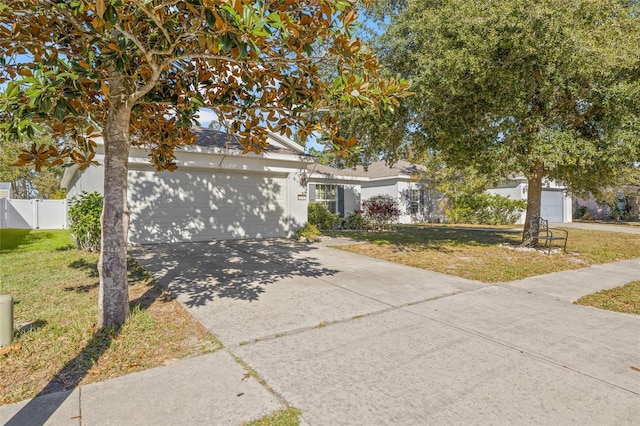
column 534, row 202
column 113, row 296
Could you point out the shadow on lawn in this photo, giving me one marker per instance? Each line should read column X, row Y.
column 38, row 410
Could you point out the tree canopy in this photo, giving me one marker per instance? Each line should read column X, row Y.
column 136, row 72
column 549, row 89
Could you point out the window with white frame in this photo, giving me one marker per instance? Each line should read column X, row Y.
column 414, row 201
column 327, row 195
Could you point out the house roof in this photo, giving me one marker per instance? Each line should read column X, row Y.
column 218, row 140
column 377, row 170
column 5, row 185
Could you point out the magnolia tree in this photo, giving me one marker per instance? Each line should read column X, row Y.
column 136, row 72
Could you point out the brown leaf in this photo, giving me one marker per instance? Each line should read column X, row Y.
column 100, row 7
column 246, row 376
column 635, row 369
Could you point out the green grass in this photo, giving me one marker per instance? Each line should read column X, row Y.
column 620, row 299
column 285, row 417
column 55, row 289
column 487, row 253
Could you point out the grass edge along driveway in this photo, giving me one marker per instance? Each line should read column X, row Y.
column 490, row 254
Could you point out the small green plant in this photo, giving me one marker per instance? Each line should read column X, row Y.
column 309, row 232
column 84, row 220
column 355, row 221
column 580, row 212
column 319, row 216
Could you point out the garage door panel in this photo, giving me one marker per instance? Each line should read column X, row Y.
column 552, row 205
column 200, row 206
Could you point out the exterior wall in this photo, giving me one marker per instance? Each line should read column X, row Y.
column 296, row 203
column 88, row 180
column 371, row 189
column 352, row 193
column 210, row 196
column 33, row 214
column 515, row 191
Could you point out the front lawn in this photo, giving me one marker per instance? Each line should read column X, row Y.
column 486, row 254
column 620, row 299
column 55, row 287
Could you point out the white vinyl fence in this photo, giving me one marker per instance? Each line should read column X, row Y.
column 33, row 214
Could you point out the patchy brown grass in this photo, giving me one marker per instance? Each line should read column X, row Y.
column 487, row 254
column 620, row 299
column 55, row 289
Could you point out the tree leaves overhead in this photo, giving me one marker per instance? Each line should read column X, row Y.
column 506, row 85
column 255, row 64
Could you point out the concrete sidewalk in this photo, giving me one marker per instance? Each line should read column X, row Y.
column 354, row 340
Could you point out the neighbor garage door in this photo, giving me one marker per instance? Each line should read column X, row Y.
column 193, row 205
column 552, row 205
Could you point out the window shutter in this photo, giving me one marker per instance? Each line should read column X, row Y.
column 341, row 201
column 312, row 192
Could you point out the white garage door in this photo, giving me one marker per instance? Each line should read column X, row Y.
column 199, row 206
column 552, row 205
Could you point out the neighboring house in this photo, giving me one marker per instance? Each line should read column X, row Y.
column 342, row 191
column 555, row 204
column 216, row 193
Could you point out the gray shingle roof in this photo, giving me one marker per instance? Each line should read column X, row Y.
column 210, row 138
column 375, row 170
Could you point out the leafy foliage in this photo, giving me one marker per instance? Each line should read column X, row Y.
column 25, row 181
column 548, row 89
column 254, row 64
column 355, row 221
column 137, row 72
column 381, row 210
column 84, row 220
column 319, row 216
column 483, row 208
column 309, row 232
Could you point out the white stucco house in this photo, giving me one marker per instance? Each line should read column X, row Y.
column 216, row 193
column 342, row 191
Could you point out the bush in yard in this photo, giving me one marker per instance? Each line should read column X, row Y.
column 84, row 220
column 319, row 216
column 381, row 210
column 483, row 208
column 308, row 232
column 355, row 220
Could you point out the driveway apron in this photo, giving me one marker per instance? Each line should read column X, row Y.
column 354, row 340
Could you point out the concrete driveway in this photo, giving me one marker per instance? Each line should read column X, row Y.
column 354, row 340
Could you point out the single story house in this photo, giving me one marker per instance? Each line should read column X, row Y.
column 342, row 191
column 216, row 193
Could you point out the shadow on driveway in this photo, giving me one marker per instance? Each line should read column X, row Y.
column 204, row 271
